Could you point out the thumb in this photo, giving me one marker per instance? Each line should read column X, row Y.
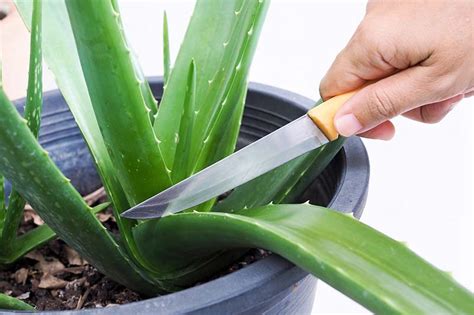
column 384, row 100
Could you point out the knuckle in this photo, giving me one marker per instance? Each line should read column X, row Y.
column 364, row 35
column 382, row 105
column 441, row 85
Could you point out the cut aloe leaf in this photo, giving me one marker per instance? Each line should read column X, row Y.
column 376, row 271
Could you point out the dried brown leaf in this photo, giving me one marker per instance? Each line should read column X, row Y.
column 82, row 299
column 104, row 217
column 23, row 296
column 75, row 270
column 35, row 255
column 73, row 257
column 95, row 196
column 21, row 275
column 31, row 215
column 49, row 281
column 50, row 266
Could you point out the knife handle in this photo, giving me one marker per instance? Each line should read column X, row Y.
column 323, row 114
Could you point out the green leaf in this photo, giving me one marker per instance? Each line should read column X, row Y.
column 38, row 180
column 58, row 39
column 229, row 112
column 378, row 272
column 61, row 55
column 34, row 104
column 2, row 198
column 307, row 173
column 35, row 238
column 34, row 94
column 2, row 179
column 147, row 94
column 13, row 216
column 283, row 184
column 216, row 35
column 182, row 163
column 11, row 303
column 166, row 50
column 117, row 99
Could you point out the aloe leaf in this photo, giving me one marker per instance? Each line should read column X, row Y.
column 307, row 173
column 35, row 238
column 58, row 39
column 285, row 183
column 11, row 303
column 229, row 112
column 38, row 180
column 117, row 99
column 34, row 104
column 34, row 95
column 60, row 53
column 13, row 216
column 166, row 50
column 2, row 179
column 150, row 101
column 214, row 39
column 183, row 166
column 376, row 271
column 2, row 198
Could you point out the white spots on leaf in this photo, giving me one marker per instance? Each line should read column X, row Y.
column 250, row 32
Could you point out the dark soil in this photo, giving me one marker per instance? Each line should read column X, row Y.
column 55, row 277
column 47, row 279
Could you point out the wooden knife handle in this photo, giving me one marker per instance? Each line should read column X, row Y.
column 323, row 114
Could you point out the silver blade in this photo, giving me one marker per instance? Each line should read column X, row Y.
column 271, row 151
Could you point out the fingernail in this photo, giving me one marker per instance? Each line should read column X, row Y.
column 347, row 125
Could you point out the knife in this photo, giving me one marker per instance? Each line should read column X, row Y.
column 304, row 134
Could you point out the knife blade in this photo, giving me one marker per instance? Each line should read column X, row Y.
column 286, row 143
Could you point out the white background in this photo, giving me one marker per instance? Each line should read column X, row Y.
column 421, row 182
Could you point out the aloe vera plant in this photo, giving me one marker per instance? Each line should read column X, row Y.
column 140, row 149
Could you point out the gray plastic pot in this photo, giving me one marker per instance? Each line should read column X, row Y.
column 271, row 285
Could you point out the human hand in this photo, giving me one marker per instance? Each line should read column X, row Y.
column 422, row 53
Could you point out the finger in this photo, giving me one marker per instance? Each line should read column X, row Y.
column 386, row 99
column 433, row 113
column 351, row 69
column 384, row 131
